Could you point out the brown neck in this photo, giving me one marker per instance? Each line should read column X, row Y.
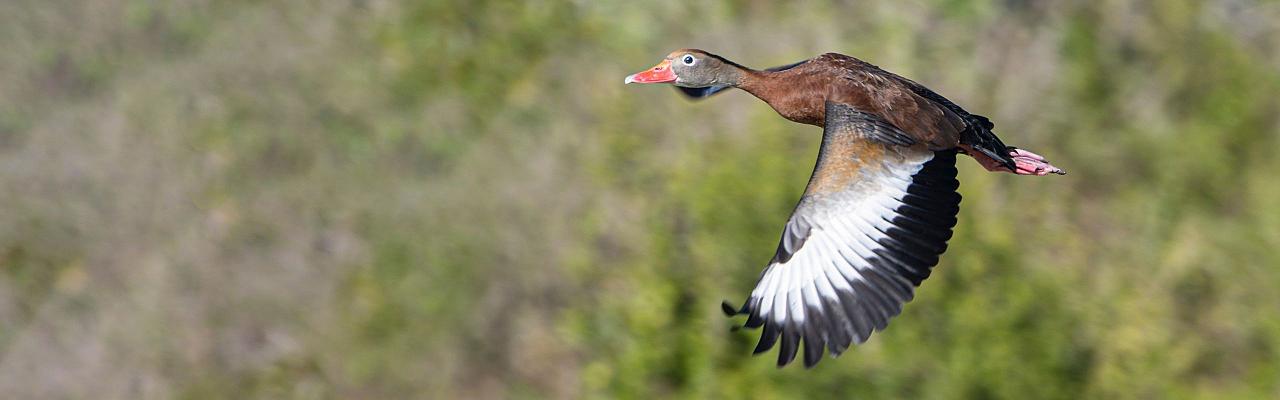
column 779, row 91
column 758, row 83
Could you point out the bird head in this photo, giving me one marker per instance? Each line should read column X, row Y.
column 691, row 68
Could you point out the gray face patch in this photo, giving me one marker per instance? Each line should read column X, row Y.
column 697, row 70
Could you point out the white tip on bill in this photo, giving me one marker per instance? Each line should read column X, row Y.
column 630, row 78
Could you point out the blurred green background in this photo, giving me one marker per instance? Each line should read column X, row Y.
column 398, row 199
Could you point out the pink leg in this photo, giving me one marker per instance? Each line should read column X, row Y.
column 1033, row 164
column 1027, row 163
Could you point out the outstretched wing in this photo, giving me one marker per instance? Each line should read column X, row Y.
column 698, row 93
column 871, row 225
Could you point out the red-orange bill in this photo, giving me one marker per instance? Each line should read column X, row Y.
column 660, row 73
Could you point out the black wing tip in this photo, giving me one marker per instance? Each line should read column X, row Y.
column 768, row 337
column 728, row 309
column 787, row 352
column 790, row 348
column 814, row 347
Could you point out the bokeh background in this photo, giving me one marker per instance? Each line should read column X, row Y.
column 460, row 199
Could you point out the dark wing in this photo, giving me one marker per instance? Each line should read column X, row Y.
column 870, row 126
column 950, row 119
column 870, row 227
column 977, row 132
column 704, row 92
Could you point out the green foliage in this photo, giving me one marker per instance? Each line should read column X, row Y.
column 386, row 199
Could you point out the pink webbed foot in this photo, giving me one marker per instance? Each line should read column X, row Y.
column 1025, row 162
column 1029, row 163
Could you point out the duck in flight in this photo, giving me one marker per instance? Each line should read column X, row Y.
column 880, row 205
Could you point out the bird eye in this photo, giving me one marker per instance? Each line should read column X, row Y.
column 688, row 59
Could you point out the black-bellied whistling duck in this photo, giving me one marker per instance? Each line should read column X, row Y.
column 880, row 204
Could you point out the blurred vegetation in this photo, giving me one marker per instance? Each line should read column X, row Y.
column 390, row 199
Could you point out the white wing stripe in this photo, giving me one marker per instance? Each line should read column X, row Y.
column 846, row 275
column 780, row 296
column 818, row 275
